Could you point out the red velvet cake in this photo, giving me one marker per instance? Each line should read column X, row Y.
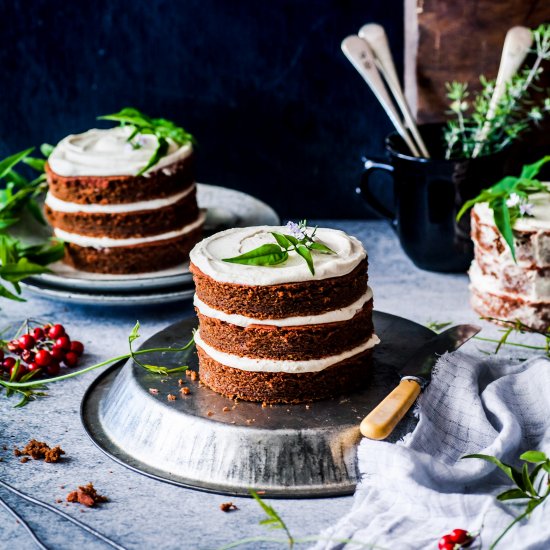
column 112, row 220
column 278, row 333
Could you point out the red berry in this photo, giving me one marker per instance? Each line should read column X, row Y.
column 31, row 367
column 63, row 342
column 43, row 358
column 13, row 346
column 460, row 536
column 27, row 355
column 58, row 353
column 9, row 362
column 56, row 332
column 71, row 359
column 20, row 371
column 77, row 347
column 27, row 341
column 446, row 543
column 38, row 333
column 53, row 368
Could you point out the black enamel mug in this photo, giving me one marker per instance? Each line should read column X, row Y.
column 427, row 195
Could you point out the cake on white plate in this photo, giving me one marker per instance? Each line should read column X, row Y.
column 508, row 290
column 111, row 218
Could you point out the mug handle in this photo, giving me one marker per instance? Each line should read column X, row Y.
column 364, row 188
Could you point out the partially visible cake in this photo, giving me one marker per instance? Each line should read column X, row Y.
column 501, row 288
column 113, row 221
column 279, row 334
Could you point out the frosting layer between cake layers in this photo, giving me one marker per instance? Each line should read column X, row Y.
column 502, row 288
column 112, row 220
column 279, row 333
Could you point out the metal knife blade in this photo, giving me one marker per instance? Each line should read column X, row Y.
column 421, row 363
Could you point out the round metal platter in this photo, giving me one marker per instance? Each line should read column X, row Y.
column 225, row 208
column 206, row 441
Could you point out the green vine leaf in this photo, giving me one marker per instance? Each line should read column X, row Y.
column 267, row 254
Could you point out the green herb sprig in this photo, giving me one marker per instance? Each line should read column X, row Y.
column 514, row 114
column 508, row 199
column 32, row 389
column 297, row 240
column 162, row 128
column 532, row 484
column 19, row 194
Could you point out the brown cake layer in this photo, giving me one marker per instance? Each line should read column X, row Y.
column 141, row 258
column 535, row 315
column 278, row 387
column 122, row 189
column 291, row 343
column 282, row 300
column 141, row 223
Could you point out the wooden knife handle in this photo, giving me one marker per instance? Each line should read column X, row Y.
column 381, row 421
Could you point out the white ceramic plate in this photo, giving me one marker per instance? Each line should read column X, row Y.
column 226, row 208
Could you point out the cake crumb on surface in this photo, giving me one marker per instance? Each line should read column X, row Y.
column 209, row 413
column 39, row 450
column 181, row 382
column 171, row 397
column 24, row 459
column 153, row 391
column 185, row 391
column 227, row 507
column 226, row 409
column 86, row 495
column 264, row 405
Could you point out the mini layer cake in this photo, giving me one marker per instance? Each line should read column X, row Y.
column 279, row 334
column 113, row 221
column 501, row 288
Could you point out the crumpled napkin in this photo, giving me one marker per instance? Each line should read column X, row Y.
column 413, row 492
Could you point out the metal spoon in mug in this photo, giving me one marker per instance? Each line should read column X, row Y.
column 517, row 44
column 375, row 35
column 361, row 57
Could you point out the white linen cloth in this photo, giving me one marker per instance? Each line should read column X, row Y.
column 418, row 490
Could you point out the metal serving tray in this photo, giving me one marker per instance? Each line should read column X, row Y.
column 284, row 450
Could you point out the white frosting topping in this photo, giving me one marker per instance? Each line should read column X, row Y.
column 108, row 153
column 335, row 316
column 537, row 290
column 207, row 255
column 73, row 208
column 271, row 365
column 539, row 221
column 108, row 242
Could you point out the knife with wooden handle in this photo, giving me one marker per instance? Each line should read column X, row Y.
column 415, row 376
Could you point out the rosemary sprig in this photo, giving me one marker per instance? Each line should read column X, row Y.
column 162, row 128
column 297, row 240
column 532, row 486
column 514, row 114
column 508, row 199
column 27, row 388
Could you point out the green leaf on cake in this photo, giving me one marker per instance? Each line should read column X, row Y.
column 529, row 171
column 267, row 254
column 162, row 128
column 503, row 222
column 303, row 251
column 323, row 249
column 46, row 149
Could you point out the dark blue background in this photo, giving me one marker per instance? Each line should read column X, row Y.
column 276, row 108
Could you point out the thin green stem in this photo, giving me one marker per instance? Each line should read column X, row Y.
column 494, row 341
column 36, row 383
column 501, row 536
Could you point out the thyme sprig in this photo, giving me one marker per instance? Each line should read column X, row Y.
column 465, row 134
column 161, row 128
column 532, row 484
column 297, row 240
column 27, row 388
column 508, row 199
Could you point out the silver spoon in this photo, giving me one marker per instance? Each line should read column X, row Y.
column 361, row 57
column 517, row 44
column 376, row 37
